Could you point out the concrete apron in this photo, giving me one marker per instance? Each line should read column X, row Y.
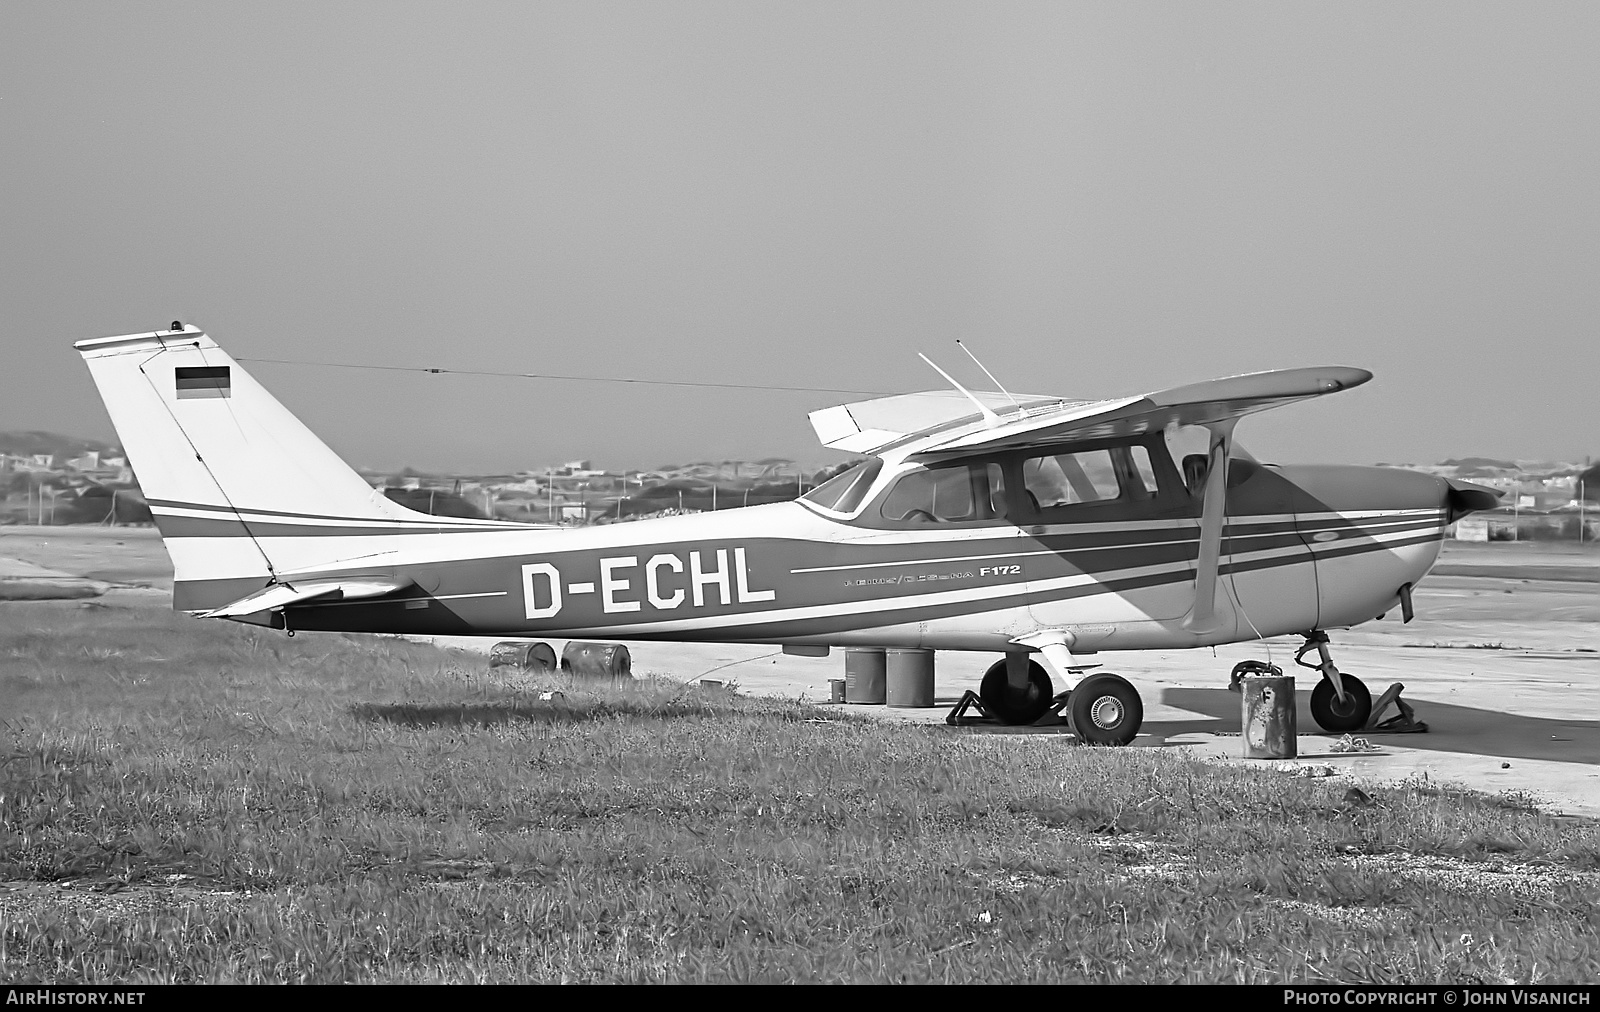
column 24, row 581
column 1538, row 710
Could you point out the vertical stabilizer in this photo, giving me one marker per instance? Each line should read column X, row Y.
column 241, row 490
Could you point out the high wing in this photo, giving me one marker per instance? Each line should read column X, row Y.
column 939, row 423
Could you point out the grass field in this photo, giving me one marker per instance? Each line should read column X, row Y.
column 199, row 801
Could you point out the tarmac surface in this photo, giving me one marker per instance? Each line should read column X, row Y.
column 1503, row 667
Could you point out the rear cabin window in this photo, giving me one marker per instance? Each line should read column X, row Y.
column 843, row 492
column 1088, row 477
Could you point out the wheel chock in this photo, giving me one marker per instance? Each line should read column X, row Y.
column 959, row 716
column 1403, row 722
column 1058, row 704
column 970, row 700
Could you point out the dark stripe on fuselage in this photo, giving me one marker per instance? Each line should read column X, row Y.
column 231, row 513
column 798, row 628
column 502, row 614
column 435, row 620
column 1336, row 550
column 208, row 527
column 1055, row 538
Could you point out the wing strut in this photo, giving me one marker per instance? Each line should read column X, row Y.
column 1213, row 517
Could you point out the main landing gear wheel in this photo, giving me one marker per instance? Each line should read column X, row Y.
column 1105, row 710
column 1009, row 705
column 1341, row 717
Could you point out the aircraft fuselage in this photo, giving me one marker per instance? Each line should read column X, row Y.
column 788, row 573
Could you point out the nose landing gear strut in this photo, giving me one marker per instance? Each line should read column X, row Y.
column 1340, row 703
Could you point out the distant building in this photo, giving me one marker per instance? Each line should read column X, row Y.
column 527, row 485
column 32, row 463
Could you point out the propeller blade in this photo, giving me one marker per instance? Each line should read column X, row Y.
column 1464, row 497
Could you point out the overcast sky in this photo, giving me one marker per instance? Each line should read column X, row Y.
column 1099, row 198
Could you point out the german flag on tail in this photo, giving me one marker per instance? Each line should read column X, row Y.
column 203, row 381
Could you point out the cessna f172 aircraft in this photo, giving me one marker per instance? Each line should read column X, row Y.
column 1038, row 528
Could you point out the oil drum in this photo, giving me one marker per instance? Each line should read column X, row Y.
column 864, row 675
column 597, row 660
column 532, row 658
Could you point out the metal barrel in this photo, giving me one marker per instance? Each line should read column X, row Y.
column 541, row 657
column 529, row 657
column 909, row 678
column 597, row 660
column 863, row 675
column 1268, row 716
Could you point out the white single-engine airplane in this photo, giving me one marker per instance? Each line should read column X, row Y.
column 1035, row 527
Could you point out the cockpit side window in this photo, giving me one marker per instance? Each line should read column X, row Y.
column 940, row 494
column 1019, row 487
column 953, row 494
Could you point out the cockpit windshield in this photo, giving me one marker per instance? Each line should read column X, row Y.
column 843, row 492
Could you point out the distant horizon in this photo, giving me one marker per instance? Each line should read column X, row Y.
column 811, row 464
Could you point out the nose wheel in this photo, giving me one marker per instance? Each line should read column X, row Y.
column 1340, row 702
column 1341, row 716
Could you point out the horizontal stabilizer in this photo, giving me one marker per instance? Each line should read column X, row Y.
column 282, row 595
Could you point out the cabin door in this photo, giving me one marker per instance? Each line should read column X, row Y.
column 1106, row 545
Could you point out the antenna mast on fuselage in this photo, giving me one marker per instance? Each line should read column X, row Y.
column 990, row 419
column 987, row 373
